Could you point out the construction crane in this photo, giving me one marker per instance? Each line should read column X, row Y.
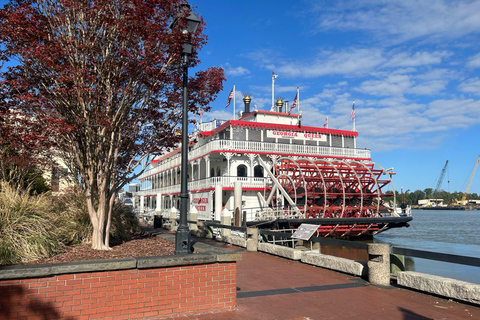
column 439, row 181
column 472, row 174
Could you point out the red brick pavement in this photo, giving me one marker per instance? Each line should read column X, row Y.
column 271, row 288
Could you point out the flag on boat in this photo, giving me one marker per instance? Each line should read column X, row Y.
column 230, row 96
column 294, row 103
column 325, row 124
column 352, row 115
column 201, row 115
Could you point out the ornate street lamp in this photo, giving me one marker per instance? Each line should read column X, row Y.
column 182, row 237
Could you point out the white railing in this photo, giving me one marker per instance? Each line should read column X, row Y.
column 256, row 146
column 209, row 126
column 247, row 182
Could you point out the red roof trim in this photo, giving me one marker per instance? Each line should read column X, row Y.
column 276, row 126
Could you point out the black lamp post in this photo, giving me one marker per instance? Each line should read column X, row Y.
column 182, row 237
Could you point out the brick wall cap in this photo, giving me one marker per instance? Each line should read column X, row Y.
column 205, row 254
column 51, row 269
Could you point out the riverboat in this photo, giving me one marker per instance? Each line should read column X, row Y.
column 268, row 169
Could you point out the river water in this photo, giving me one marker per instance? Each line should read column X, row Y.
column 447, row 231
column 455, row 232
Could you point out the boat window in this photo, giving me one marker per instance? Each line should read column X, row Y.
column 258, row 171
column 242, row 170
column 218, row 172
column 212, row 172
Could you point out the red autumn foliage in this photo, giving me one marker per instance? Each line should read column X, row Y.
column 100, row 81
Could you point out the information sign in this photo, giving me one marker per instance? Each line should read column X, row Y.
column 305, row 231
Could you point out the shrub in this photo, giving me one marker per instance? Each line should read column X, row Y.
column 72, row 211
column 124, row 223
column 28, row 228
column 34, row 227
column 75, row 219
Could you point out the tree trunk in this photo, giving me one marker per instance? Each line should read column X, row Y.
column 109, row 220
column 98, row 221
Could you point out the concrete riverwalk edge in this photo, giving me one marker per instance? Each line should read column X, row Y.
column 442, row 286
column 270, row 287
column 377, row 270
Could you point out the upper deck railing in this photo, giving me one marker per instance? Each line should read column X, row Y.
column 208, row 183
column 258, row 147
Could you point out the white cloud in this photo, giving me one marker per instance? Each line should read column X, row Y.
column 442, row 108
column 359, row 62
column 402, row 20
column 235, row 71
column 397, row 84
column 428, row 87
column 393, row 85
column 218, row 114
column 470, row 86
column 278, row 89
column 346, row 62
column 419, row 58
column 474, row 62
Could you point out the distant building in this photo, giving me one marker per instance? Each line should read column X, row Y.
column 431, row 203
column 134, row 187
column 59, row 177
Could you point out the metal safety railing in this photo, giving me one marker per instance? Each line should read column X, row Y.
column 285, row 237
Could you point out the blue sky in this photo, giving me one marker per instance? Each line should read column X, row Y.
column 412, row 67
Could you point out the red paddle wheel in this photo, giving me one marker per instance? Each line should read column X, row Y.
column 335, row 189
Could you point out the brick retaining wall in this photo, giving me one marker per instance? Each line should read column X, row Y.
column 121, row 294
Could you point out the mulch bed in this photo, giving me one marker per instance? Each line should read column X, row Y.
column 140, row 245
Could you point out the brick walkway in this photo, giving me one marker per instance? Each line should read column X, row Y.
column 270, row 287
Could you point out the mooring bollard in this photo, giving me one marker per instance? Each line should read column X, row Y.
column 252, row 239
column 226, row 220
column 193, row 217
column 379, row 264
column 173, row 218
column 201, row 229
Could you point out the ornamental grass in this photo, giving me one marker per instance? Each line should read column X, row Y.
column 35, row 227
column 28, row 228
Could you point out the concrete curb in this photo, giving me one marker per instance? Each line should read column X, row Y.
column 442, row 286
column 335, row 263
column 290, row 253
column 237, row 241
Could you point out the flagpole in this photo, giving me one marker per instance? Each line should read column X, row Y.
column 274, row 76
column 233, row 102
column 298, row 99
column 353, row 114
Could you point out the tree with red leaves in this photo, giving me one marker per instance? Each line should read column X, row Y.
column 105, row 76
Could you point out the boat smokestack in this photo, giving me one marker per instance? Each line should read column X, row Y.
column 279, row 104
column 246, row 100
column 286, row 106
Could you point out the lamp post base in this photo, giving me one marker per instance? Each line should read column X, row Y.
column 182, row 241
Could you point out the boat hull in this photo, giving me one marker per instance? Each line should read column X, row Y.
column 339, row 227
